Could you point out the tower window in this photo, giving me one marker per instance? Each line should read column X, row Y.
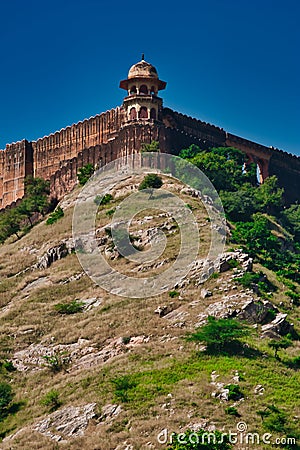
column 153, row 113
column 143, row 113
column 132, row 114
column 143, row 89
column 152, row 90
column 133, row 90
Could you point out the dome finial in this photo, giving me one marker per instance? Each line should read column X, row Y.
column 143, row 56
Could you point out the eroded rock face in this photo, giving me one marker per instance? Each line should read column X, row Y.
column 201, row 269
column 52, row 255
column 278, row 327
column 80, row 355
column 242, row 306
column 67, row 422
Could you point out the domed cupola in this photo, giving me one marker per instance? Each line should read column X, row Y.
column 142, row 85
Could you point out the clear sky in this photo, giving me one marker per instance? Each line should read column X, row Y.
column 233, row 63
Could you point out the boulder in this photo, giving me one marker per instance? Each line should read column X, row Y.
column 279, row 326
column 69, row 422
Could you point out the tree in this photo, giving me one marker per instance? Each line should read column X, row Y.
column 151, row 182
column 257, row 238
column 218, row 334
column 10, row 223
column 269, row 196
column 291, row 219
column 224, row 166
column 84, row 173
column 241, row 204
column 35, row 200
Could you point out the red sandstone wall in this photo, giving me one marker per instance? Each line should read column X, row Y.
column 15, row 165
column 105, row 137
column 51, row 151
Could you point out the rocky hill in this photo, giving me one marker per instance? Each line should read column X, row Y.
column 93, row 370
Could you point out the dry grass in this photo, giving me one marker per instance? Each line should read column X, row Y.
column 167, row 364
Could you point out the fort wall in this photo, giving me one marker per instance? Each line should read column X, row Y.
column 108, row 136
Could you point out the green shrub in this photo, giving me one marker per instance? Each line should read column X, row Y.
column 123, row 385
column 219, row 334
column 151, row 182
column 153, row 147
column 234, row 392
column 84, row 173
column 8, row 366
column 51, row 400
column 103, row 200
column 232, row 411
column 72, row 307
column 55, row 216
column 174, row 294
column 57, row 362
column 259, row 281
column 110, row 212
column 6, row 396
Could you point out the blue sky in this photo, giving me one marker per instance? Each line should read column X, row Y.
column 233, row 63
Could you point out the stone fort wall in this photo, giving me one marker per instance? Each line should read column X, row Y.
column 107, row 136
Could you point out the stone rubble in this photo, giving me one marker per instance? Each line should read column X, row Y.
column 81, row 355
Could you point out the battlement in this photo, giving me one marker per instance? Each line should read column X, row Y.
column 122, row 131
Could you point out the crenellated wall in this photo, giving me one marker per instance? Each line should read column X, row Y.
column 107, row 136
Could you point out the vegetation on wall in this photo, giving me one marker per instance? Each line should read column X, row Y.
column 262, row 224
column 35, row 202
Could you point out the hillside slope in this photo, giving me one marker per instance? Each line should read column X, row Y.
column 120, row 370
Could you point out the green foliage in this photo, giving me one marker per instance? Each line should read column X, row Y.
column 51, row 400
column 277, row 345
column 291, row 219
column 234, row 392
column 224, row 166
column 257, row 281
column 273, row 419
column 269, row 196
column 72, row 307
column 55, row 216
column 123, row 385
column 232, row 411
column 84, row 173
column 219, row 334
column 150, row 182
column 7, row 366
column 173, row 294
column 35, row 201
column 36, row 195
column 256, row 237
column 152, row 147
column 241, row 204
column 10, row 223
column 57, row 362
column 200, row 440
column 294, row 296
column 110, row 212
column 6, row 396
column 103, row 200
